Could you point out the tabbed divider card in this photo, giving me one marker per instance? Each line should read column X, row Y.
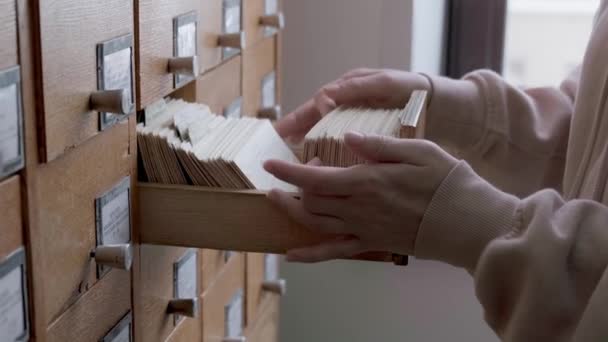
column 115, row 72
column 14, row 317
column 11, row 117
column 113, row 221
column 234, row 313
column 232, row 23
column 185, row 279
column 121, row 332
column 185, row 38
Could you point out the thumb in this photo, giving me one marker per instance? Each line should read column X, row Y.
column 378, row 148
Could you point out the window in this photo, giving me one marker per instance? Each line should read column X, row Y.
column 546, row 39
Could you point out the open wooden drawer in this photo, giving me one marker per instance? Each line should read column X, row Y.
column 244, row 221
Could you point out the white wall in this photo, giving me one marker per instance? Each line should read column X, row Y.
column 350, row 301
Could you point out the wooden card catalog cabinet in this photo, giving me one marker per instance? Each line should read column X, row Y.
column 14, row 318
column 219, row 88
column 260, row 84
column 87, row 70
column 263, row 18
column 122, row 332
column 11, row 117
column 169, row 38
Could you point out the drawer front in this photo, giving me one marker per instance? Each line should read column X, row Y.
column 84, row 48
column 189, row 330
column 167, row 29
column 263, row 282
column 219, row 18
column 82, row 199
column 260, row 82
column 219, row 88
column 165, row 273
column 224, row 303
column 266, row 326
column 8, row 34
column 11, row 226
column 214, row 263
column 98, row 314
column 257, row 27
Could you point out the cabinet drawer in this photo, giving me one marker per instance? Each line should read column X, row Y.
column 168, row 34
column 82, row 199
column 219, row 88
column 96, row 314
column 263, row 282
column 86, row 46
column 224, row 303
column 260, row 79
column 262, row 18
column 214, row 263
column 8, row 34
column 265, row 328
column 11, row 227
column 165, row 274
column 188, row 331
column 220, row 29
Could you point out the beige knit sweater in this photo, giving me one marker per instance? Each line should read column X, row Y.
column 538, row 247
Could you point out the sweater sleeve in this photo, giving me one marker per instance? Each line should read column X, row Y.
column 537, row 262
column 504, row 132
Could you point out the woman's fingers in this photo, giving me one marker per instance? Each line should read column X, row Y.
column 294, row 208
column 382, row 149
column 327, row 181
column 340, row 248
column 299, row 122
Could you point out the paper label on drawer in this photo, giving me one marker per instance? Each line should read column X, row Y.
column 270, row 7
column 185, row 43
column 115, row 71
column 12, row 320
column 10, row 145
column 234, row 110
column 269, row 90
column 114, row 215
column 121, row 332
column 234, row 316
column 13, row 300
column 271, row 267
column 232, row 23
column 186, row 276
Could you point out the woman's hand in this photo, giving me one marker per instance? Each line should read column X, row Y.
column 373, row 88
column 377, row 206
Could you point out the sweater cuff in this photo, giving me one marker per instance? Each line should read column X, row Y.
column 456, row 112
column 465, row 214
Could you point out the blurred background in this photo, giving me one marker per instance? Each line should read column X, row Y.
column 532, row 42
